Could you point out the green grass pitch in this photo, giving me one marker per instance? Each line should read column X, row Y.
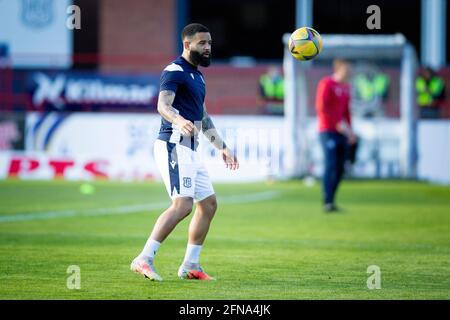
column 266, row 242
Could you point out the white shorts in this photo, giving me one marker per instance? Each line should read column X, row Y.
column 182, row 171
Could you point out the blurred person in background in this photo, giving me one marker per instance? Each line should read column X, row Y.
column 430, row 93
column 335, row 128
column 271, row 86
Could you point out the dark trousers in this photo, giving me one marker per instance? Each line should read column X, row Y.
column 334, row 146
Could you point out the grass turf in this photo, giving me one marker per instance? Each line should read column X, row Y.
column 282, row 247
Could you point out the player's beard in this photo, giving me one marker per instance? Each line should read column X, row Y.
column 198, row 59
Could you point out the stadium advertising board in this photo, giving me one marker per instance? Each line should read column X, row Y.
column 433, row 140
column 119, row 146
column 75, row 91
column 67, row 91
column 41, row 166
column 122, row 146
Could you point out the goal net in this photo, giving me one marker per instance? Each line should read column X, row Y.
column 382, row 106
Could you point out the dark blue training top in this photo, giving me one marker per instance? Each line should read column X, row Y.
column 188, row 84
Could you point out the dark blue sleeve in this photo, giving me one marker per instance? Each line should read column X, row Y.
column 170, row 80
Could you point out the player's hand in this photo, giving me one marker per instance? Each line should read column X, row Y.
column 230, row 159
column 186, row 127
column 352, row 138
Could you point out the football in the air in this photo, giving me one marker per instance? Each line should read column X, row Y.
column 305, row 43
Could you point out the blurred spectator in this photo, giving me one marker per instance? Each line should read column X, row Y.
column 271, row 86
column 430, row 93
column 367, row 88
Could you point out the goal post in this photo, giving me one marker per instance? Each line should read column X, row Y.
column 360, row 47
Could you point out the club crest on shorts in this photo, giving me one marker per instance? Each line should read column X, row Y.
column 187, row 183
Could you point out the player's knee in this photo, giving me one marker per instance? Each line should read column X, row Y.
column 183, row 207
column 184, row 210
column 210, row 206
column 213, row 205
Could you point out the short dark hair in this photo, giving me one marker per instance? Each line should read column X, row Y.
column 191, row 29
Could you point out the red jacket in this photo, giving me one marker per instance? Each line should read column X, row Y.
column 332, row 104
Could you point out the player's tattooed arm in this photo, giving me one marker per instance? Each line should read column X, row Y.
column 165, row 109
column 210, row 131
column 168, row 112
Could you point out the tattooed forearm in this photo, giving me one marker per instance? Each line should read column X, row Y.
column 165, row 108
column 207, row 123
column 210, row 132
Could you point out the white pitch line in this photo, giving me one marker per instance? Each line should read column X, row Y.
column 245, row 198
